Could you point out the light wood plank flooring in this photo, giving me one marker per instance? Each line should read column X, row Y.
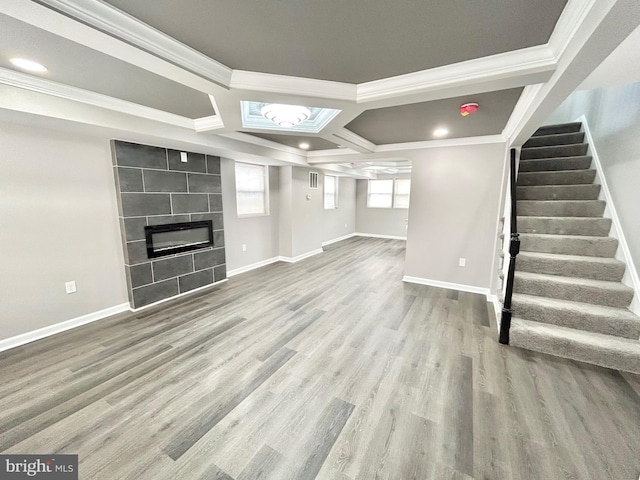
column 331, row 368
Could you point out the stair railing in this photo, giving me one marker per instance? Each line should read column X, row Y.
column 514, row 249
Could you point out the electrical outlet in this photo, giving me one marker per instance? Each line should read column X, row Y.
column 70, row 287
column 462, row 262
column 183, row 157
column 244, row 247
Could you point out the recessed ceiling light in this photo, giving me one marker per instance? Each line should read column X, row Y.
column 29, row 65
column 440, row 132
column 304, row 145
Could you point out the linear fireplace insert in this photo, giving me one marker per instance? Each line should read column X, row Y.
column 178, row 237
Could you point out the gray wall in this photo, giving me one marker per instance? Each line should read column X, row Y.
column 260, row 234
column 156, row 188
column 379, row 221
column 453, row 210
column 614, row 122
column 340, row 221
column 304, row 223
column 59, row 222
column 285, row 236
column 306, row 214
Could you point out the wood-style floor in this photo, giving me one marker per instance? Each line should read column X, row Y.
column 331, row 368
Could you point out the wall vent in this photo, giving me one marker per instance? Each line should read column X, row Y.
column 313, row 180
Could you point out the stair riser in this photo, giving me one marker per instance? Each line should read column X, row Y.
column 555, row 151
column 605, row 247
column 578, row 177
column 555, row 139
column 559, row 208
column 558, row 129
column 570, row 268
column 582, row 353
column 574, row 293
column 555, row 164
column 558, row 192
column 596, row 227
column 578, row 320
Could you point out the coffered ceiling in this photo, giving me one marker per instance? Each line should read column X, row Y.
column 389, row 72
column 416, row 122
column 72, row 64
column 352, row 41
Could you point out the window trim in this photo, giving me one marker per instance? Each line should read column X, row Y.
column 395, row 192
column 335, row 192
column 369, row 191
column 265, row 176
column 392, row 194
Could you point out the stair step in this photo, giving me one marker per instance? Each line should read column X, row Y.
column 558, row 129
column 573, row 150
column 569, row 244
column 568, row 177
column 558, row 192
column 595, row 268
column 561, row 208
column 597, row 227
column 554, row 139
column 618, row 322
column 604, row 350
column 555, row 164
column 597, row 292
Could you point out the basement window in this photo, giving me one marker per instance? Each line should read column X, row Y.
column 389, row 193
column 330, row 192
column 252, row 189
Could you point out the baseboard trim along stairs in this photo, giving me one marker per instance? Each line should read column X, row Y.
column 569, row 299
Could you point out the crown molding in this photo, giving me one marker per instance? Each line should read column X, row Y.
column 283, row 84
column 524, row 107
column 47, row 87
column 509, row 64
column 445, row 142
column 361, row 144
column 573, row 16
column 331, row 152
column 118, row 24
column 262, row 142
column 206, row 124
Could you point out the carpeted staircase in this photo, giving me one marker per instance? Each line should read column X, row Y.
column 568, row 296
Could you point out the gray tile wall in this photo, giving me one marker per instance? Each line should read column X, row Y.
column 155, row 187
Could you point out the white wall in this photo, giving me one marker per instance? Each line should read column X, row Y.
column 455, row 193
column 379, row 221
column 614, row 122
column 59, row 223
column 259, row 234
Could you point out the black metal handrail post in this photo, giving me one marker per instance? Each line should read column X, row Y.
column 514, row 249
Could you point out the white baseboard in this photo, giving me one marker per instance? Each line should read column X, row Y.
column 34, row 335
column 300, row 257
column 497, row 307
column 375, row 235
column 339, row 239
column 180, row 295
column 253, row 266
column 631, row 274
column 450, row 286
column 269, row 261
